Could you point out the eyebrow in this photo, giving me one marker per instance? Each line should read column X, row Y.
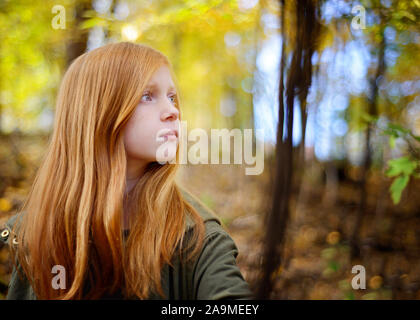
column 154, row 85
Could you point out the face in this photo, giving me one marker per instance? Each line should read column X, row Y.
column 148, row 131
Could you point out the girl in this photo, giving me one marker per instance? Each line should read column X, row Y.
column 104, row 217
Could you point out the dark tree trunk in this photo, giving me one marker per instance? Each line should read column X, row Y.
column 298, row 81
column 77, row 44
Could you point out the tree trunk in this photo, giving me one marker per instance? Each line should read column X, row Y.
column 298, row 82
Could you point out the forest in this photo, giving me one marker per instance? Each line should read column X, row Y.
column 330, row 89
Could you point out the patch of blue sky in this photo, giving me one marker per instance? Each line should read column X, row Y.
column 347, row 75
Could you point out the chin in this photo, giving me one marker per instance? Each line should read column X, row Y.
column 166, row 153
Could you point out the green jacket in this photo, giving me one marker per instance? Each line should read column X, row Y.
column 213, row 275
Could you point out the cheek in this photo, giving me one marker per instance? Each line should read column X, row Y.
column 139, row 137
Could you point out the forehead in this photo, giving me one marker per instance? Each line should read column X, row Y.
column 158, row 86
column 161, row 78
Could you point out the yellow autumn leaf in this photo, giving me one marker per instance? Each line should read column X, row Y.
column 375, row 282
column 333, row 237
column 5, row 204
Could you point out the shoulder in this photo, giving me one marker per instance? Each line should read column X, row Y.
column 211, row 220
column 215, row 274
column 18, row 287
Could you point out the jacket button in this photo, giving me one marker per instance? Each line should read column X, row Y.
column 5, row 234
column 15, row 240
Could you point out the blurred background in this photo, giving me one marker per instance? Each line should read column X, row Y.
column 341, row 181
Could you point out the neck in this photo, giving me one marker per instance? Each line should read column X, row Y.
column 135, row 170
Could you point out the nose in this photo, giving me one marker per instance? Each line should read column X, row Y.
column 171, row 113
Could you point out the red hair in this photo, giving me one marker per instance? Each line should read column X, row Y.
column 73, row 213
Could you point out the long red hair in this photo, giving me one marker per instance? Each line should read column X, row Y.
column 73, row 213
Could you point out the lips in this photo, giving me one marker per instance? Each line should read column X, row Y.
column 168, row 135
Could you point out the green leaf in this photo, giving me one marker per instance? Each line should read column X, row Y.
column 334, row 266
column 368, row 118
column 397, row 188
column 328, row 253
column 397, row 127
column 402, row 165
column 391, row 133
column 349, row 296
column 415, row 137
column 92, row 22
column 392, row 142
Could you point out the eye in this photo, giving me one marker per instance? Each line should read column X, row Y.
column 147, row 94
column 173, row 97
